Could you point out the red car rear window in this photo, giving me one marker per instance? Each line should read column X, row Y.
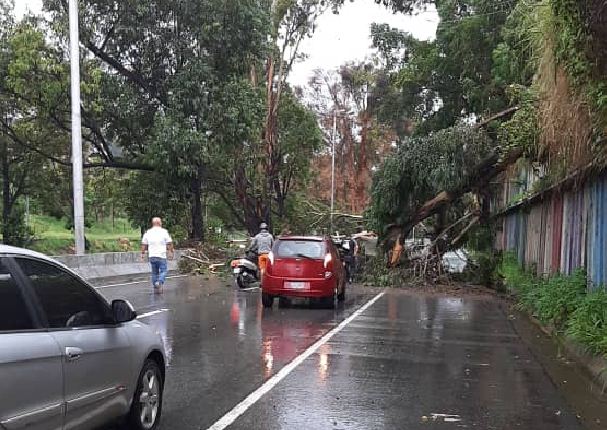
column 300, row 248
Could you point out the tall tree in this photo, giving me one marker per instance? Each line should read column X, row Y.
column 20, row 127
column 166, row 63
column 350, row 95
column 292, row 21
column 450, row 78
column 240, row 187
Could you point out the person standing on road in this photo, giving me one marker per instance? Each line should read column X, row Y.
column 352, row 256
column 350, row 259
column 157, row 243
column 262, row 244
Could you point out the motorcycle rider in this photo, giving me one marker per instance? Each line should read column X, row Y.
column 262, row 243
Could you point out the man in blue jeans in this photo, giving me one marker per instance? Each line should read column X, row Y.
column 157, row 242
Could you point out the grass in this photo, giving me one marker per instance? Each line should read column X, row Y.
column 561, row 302
column 52, row 237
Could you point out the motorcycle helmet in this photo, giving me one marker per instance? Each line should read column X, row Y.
column 263, row 226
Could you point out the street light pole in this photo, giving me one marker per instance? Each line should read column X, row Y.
column 77, row 175
column 333, row 168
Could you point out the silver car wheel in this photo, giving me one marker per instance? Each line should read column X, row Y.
column 149, row 399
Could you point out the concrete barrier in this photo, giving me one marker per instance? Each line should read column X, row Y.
column 111, row 264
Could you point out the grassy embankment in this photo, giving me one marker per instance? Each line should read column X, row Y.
column 51, row 236
column 563, row 303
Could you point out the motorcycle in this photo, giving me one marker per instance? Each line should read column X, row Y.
column 246, row 270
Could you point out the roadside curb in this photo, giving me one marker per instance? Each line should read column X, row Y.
column 596, row 366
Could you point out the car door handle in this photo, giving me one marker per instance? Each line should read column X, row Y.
column 72, row 353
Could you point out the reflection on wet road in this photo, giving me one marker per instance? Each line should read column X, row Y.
column 406, row 362
column 222, row 344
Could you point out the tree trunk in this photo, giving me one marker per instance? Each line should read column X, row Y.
column 197, row 232
column 280, row 199
column 480, row 178
column 269, row 135
column 349, row 171
column 6, row 198
column 341, row 194
column 254, row 215
column 361, row 168
column 253, row 223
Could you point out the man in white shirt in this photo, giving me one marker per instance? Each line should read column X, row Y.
column 157, row 242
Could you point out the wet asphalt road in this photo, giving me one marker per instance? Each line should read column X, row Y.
column 406, row 362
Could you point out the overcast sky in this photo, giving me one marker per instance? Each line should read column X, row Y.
column 22, row 5
column 347, row 36
column 338, row 38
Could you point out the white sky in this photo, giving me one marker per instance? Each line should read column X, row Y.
column 347, row 36
column 21, row 6
column 338, row 38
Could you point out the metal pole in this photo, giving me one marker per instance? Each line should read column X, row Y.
column 78, row 187
column 333, row 168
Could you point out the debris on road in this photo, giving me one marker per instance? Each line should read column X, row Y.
column 203, row 258
column 447, row 418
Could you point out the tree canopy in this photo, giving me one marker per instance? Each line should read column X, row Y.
column 183, row 89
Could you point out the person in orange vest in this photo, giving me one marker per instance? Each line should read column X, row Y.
column 262, row 243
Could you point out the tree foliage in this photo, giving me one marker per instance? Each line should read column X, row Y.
column 404, row 6
column 440, row 82
column 421, row 168
column 20, row 127
column 578, row 48
column 169, row 87
column 478, row 69
column 167, row 67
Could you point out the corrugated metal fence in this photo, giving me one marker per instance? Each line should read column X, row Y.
column 561, row 232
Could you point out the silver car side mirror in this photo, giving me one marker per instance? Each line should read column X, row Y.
column 123, row 311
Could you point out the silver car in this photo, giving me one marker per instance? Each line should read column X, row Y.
column 68, row 359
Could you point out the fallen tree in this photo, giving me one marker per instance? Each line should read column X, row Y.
column 432, row 176
column 478, row 180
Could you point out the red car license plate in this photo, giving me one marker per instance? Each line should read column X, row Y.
column 296, row 285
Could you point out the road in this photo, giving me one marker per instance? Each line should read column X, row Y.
column 402, row 361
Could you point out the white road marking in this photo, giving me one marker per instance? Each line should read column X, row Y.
column 249, row 289
column 149, row 314
column 254, row 397
column 137, row 282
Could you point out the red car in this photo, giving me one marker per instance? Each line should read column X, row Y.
column 308, row 267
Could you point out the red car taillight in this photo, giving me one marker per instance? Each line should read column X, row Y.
column 328, row 265
column 270, row 262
